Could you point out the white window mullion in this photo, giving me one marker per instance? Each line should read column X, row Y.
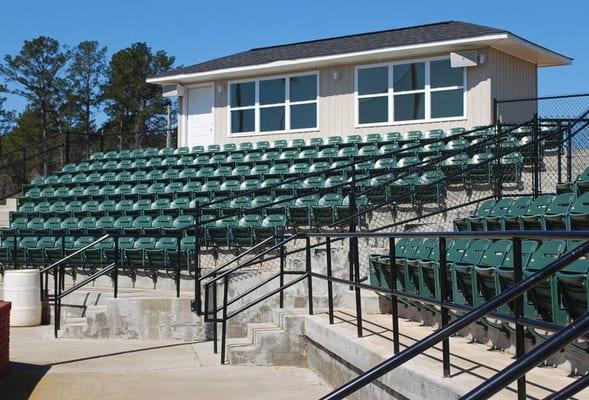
column 287, row 103
column 427, row 99
column 257, row 108
column 391, row 93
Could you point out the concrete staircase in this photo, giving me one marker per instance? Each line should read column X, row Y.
column 5, row 212
column 279, row 342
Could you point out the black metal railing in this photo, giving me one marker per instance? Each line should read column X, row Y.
column 221, row 314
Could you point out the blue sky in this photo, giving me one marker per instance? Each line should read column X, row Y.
column 198, row 30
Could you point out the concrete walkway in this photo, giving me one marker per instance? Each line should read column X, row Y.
column 47, row 368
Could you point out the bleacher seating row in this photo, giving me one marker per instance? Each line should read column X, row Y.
column 337, row 142
column 479, row 269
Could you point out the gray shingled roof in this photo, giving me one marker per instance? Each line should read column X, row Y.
column 449, row 30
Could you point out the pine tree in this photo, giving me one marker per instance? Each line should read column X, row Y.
column 132, row 105
column 36, row 71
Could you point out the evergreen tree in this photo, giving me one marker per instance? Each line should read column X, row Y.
column 85, row 75
column 132, row 105
column 6, row 117
column 36, row 73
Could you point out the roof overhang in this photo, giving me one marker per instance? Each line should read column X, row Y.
column 505, row 42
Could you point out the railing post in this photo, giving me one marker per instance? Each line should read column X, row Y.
column 309, row 276
column 224, row 321
column 539, row 156
column 55, row 307
column 282, row 261
column 215, row 344
column 394, row 302
column 116, row 269
column 329, row 282
column 443, row 300
column 197, row 294
column 102, row 140
column 352, row 205
column 519, row 313
column 179, row 255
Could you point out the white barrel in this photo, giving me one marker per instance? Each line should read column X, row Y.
column 22, row 289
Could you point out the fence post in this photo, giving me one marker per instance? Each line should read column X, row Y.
column 498, row 176
column 519, row 311
column 535, row 160
column 102, row 140
column 559, row 154
column 569, row 155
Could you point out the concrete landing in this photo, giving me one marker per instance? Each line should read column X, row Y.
column 46, row 368
column 337, row 347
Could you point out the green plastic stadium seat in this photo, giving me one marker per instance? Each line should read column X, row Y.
column 462, row 271
column 482, row 211
column 494, row 220
column 300, row 213
column 139, row 224
column 487, row 278
column 533, row 218
column 579, row 213
column 324, row 211
column 103, row 224
column 219, row 233
column 158, row 225
column 136, row 256
column 572, row 287
column 511, row 219
column 158, row 207
column 556, row 215
column 243, row 234
column 262, row 145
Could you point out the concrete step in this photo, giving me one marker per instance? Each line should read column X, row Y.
column 337, row 355
column 279, row 342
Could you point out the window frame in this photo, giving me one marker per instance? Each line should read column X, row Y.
column 286, row 104
column 390, row 94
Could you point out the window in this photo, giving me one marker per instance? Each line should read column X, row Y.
column 373, row 88
column 410, row 91
column 242, row 101
column 274, row 104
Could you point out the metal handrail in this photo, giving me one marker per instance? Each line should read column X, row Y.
column 86, row 281
column 238, row 257
column 75, row 253
column 453, row 327
column 530, row 360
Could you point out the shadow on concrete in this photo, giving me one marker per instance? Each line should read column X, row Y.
column 21, row 380
column 120, row 353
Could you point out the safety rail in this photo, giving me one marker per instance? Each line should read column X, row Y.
column 471, row 313
column 57, row 269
